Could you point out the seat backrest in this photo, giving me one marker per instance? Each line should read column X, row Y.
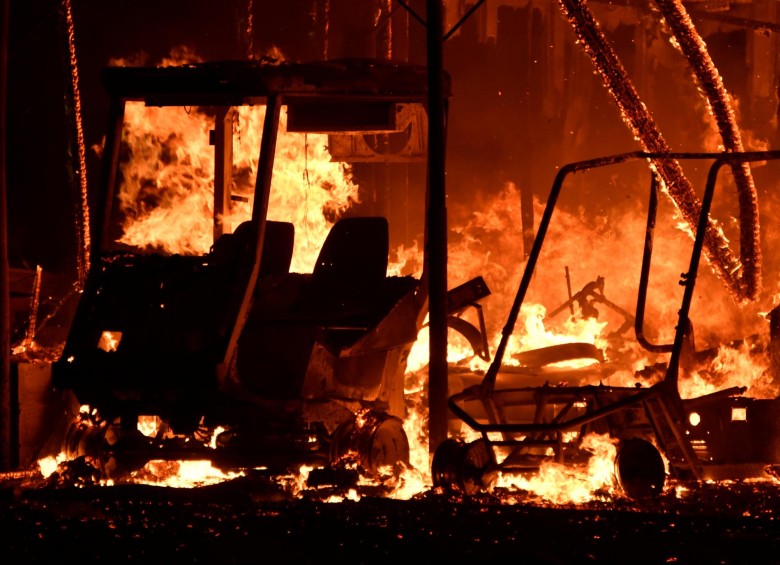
column 352, row 264
column 277, row 248
column 238, row 247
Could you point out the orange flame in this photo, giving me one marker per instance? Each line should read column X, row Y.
column 181, row 474
column 172, row 168
column 310, row 191
column 565, row 484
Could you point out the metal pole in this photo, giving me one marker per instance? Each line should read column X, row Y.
column 223, row 170
column 5, row 297
column 437, row 230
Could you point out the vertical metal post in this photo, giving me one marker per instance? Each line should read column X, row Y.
column 527, row 215
column 5, row 297
column 223, row 170
column 265, row 167
column 437, row 229
column 108, row 181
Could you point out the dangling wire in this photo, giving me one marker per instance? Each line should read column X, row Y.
column 306, row 179
column 306, row 161
column 83, row 227
column 326, row 30
column 250, row 20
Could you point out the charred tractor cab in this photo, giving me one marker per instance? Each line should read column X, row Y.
column 223, row 342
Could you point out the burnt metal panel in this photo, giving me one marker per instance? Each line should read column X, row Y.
column 238, row 82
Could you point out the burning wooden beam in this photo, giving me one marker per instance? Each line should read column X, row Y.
column 741, row 275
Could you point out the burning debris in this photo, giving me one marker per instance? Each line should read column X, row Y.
column 540, row 419
column 229, row 324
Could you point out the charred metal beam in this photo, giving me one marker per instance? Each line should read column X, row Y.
column 108, row 179
column 703, row 14
column 412, row 13
column 477, row 393
column 644, row 278
column 5, row 297
column 747, row 23
column 688, row 279
column 741, row 275
column 436, row 240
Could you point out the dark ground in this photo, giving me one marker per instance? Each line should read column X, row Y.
column 247, row 521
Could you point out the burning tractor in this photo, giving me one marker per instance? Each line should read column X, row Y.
column 214, row 336
column 536, row 411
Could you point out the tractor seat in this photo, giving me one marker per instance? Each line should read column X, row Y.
column 350, row 273
column 237, row 248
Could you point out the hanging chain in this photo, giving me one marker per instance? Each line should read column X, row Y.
column 83, row 228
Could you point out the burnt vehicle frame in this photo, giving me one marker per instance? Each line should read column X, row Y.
column 199, row 333
column 719, row 436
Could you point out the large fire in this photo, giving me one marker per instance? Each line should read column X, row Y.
column 167, row 204
column 310, row 190
column 172, row 166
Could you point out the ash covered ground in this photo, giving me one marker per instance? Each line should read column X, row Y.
column 250, row 520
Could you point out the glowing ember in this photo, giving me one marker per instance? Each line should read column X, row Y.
column 109, row 341
column 708, row 78
column 82, row 228
column 48, row 465
column 149, row 425
column 181, row 474
column 295, row 484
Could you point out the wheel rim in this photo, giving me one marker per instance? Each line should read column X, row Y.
column 640, row 469
column 460, row 467
column 378, row 441
column 389, row 445
column 444, row 467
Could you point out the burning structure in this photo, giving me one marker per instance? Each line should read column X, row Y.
column 143, row 311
